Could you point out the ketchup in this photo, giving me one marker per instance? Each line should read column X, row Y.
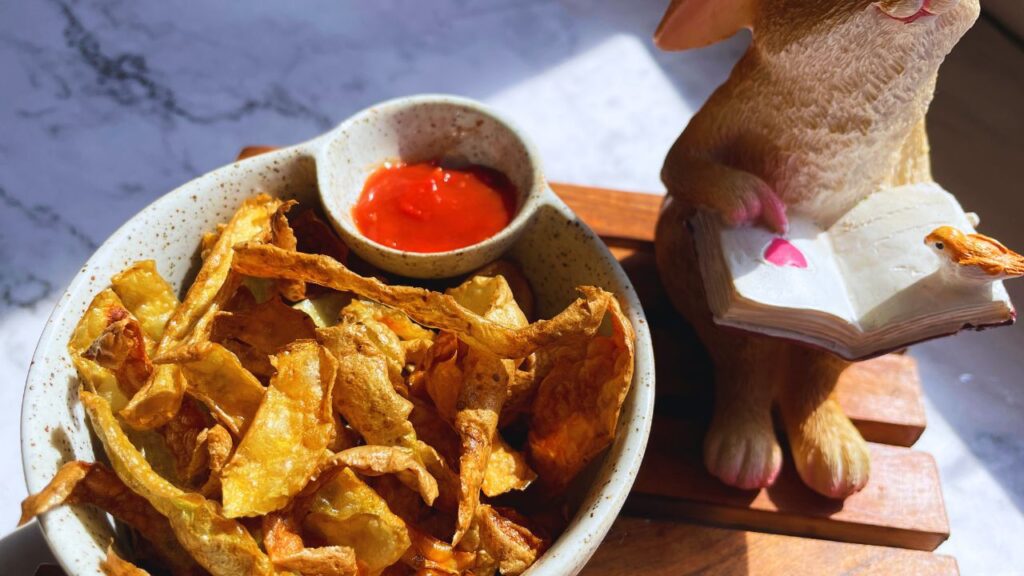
column 426, row 207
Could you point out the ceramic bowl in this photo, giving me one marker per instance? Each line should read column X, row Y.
column 419, row 129
column 555, row 249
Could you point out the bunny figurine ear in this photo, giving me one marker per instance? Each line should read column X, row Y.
column 695, row 23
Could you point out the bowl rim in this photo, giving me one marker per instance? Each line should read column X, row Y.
column 620, row 462
column 531, row 199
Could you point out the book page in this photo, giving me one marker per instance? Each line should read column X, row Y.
column 890, row 274
column 797, row 271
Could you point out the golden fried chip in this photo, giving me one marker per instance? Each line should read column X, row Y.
column 442, row 377
column 511, row 544
column 206, row 295
column 484, row 389
column 434, row 430
column 578, row 401
column 347, row 512
column 476, row 421
column 425, row 307
column 121, row 348
column 114, row 565
column 216, row 378
column 147, row 296
column 282, row 236
column 325, row 310
column 219, row 544
column 92, row 324
column 378, row 460
column 156, row 403
column 289, row 434
column 255, row 333
column 522, row 387
column 399, row 323
column 286, row 550
column 211, row 452
column 94, row 484
column 267, row 326
column 181, row 435
column 507, row 469
column 513, row 274
column 363, row 391
column 428, row 555
column 160, row 398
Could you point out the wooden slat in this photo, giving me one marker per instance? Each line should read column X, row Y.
column 613, row 213
column 658, row 548
column 883, row 398
column 901, row 505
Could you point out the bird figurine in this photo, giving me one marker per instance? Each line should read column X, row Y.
column 974, row 257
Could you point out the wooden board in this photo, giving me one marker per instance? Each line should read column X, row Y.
column 656, row 548
column 901, row 505
column 881, row 396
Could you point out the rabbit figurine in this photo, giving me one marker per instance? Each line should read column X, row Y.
column 827, row 106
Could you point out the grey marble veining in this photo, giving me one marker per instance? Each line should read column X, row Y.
column 106, row 104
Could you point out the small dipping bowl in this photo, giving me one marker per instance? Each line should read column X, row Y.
column 449, row 129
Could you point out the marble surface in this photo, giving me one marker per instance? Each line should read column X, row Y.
column 106, row 105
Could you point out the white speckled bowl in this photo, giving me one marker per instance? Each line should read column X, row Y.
column 556, row 250
column 419, row 129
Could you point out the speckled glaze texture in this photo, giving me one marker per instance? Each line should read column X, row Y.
column 418, row 129
column 556, row 250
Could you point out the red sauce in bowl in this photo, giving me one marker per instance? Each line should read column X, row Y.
column 426, row 207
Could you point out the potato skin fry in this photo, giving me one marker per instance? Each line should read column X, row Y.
column 378, row 460
column 217, row 378
column 511, row 544
column 284, row 546
column 363, row 391
column 577, row 404
column 80, row 482
column 282, row 236
column 484, row 389
column 436, row 556
column 425, row 307
column 219, row 544
column 92, row 376
column 147, row 296
column 264, row 328
column 121, row 348
column 344, row 511
column 507, row 470
column 289, row 434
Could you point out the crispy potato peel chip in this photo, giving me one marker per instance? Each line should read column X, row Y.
column 287, row 551
column 219, row 544
column 344, row 511
column 289, row 434
column 147, row 296
column 577, row 404
column 217, row 378
column 425, row 307
column 378, row 460
column 94, row 484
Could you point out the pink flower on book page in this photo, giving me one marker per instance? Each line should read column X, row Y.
column 782, row 252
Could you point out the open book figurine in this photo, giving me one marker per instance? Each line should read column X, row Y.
column 866, row 285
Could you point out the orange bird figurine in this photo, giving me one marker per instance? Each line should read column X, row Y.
column 975, row 256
